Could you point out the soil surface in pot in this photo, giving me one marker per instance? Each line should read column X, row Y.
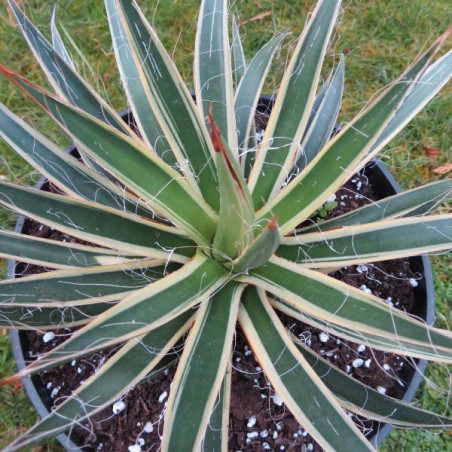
column 259, row 421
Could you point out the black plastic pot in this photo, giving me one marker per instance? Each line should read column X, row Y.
column 384, row 185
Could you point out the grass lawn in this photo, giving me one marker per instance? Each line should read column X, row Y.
column 380, row 39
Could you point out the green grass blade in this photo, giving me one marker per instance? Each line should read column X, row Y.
column 324, row 120
column 336, row 302
column 250, row 87
column 346, row 153
column 201, row 370
column 131, row 163
column 365, row 401
column 417, row 201
column 124, row 370
column 293, row 104
column 303, row 392
column 141, row 312
column 55, row 254
column 213, row 68
column 216, row 436
column 97, row 224
column 372, row 242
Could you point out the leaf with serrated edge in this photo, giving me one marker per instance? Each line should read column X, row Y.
column 201, row 370
column 287, row 121
column 336, row 302
column 125, row 369
column 372, row 242
column 303, row 392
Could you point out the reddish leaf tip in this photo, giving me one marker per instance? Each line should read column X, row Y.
column 215, row 133
column 273, row 224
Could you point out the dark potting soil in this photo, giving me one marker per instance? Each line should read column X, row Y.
column 259, row 421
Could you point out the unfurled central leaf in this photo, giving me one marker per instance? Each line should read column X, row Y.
column 236, row 216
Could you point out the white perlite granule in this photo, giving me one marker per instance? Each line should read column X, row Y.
column 251, row 421
column 118, row 407
column 49, row 336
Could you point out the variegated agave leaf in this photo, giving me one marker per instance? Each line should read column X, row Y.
column 190, row 226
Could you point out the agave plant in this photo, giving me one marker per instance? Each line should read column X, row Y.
column 193, row 226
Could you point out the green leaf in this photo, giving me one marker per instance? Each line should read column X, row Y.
column 216, row 435
column 66, row 82
column 166, row 192
column 365, row 401
column 435, row 77
column 259, row 251
column 88, row 284
column 336, row 302
column 58, row 43
column 55, row 254
column 97, row 224
column 250, row 87
column 324, row 120
column 372, row 242
column 63, row 170
column 124, row 370
column 346, row 153
column 141, row 312
column 236, row 214
column 201, row 370
column 169, row 99
column 213, row 70
column 237, row 51
column 293, row 104
column 386, row 344
column 303, row 392
column 417, row 201
column 136, row 86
